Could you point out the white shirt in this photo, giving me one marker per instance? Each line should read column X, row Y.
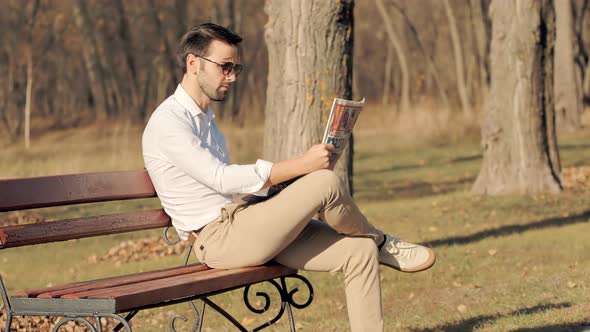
column 186, row 157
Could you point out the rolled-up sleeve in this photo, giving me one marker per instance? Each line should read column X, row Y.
column 187, row 152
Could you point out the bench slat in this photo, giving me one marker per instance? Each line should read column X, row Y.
column 155, row 291
column 46, row 191
column 46, row 232
column 56, row 292
column 108, row 292
column 227, row 279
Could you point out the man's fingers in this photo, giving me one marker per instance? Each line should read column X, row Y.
column 330, row 147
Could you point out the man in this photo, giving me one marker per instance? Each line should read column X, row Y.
column 186, row 157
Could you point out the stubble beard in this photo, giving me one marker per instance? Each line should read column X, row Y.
column 212, row 94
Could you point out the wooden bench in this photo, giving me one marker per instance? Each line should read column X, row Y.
column 128, row 294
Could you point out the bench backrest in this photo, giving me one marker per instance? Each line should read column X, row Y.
column 48, row 191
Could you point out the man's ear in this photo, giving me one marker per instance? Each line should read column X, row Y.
column 192, row 64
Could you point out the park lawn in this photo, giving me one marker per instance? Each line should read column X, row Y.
column 507, row 263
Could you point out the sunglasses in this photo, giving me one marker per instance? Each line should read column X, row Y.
column 227, row 67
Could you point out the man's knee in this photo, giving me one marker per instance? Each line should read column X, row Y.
column 326, row 178
column 364, row 252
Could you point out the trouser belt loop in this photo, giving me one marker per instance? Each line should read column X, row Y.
column 225, row 214
column 192, row 238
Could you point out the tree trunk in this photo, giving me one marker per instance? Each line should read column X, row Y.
column 310, row 47
column 9, row 86
column 459, row 65
column 29, row 89
column 125, row 37
column 387, row 78
column 169, row 54
column 181, row 9
column 395, row 41
column 229, row 16
column 518, row 129
column 91, row 54
column 427, row 55
column 28, row 98
column 568, row 85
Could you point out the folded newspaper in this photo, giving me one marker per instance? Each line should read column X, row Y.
column 341, row 121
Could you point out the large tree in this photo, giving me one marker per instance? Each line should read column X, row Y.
column 310, row 63
column 518, row 128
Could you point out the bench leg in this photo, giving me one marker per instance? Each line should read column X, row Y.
column 73, row 319
column 8, row 320
column 7, row 306
column 98, row 328
column 198, row 317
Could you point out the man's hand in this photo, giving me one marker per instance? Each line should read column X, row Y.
column 317, row 157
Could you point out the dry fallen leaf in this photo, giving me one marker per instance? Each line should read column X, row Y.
column 492, row 252
column 571, row 284
column 247, row 321
column 462, row 308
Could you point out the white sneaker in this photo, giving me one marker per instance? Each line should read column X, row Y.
column 404, row 256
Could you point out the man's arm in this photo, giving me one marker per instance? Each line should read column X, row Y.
column 316, row 158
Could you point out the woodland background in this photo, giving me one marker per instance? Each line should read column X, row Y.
column 89, row 60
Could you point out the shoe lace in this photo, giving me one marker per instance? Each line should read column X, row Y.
column 392, row 245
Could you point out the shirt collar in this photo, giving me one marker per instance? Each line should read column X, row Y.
column 186, row 101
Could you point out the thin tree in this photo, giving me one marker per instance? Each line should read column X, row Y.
column 91, row 55
column 310, row 47
column 568, row 80
column 518, row 129
column 427, row 55
column 459, row 65
column 29, row 92
column 401, row 56
column 228, row 15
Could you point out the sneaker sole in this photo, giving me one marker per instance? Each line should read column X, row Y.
column 424, row 266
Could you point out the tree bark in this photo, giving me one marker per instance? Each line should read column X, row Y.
column 568, row 80
column 400, row 52
column 310, row 47
column 459, row 64
column 518, row 129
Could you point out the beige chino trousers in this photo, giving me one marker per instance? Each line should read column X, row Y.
column 281, row 228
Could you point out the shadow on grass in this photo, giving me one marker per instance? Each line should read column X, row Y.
column 574, row 147
column 572, row 327
column 408, row 189
column 512, row 229
column 421, row 165
column 471, row 323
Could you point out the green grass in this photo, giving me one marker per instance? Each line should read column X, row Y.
column 506, row 263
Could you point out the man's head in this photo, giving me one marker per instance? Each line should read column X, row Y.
column 208, row 57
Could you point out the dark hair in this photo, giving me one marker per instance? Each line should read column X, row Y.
column 197, row 39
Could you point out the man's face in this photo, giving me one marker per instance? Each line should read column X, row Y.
column 211, row 79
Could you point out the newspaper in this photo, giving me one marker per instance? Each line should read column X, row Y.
column 341, row 121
